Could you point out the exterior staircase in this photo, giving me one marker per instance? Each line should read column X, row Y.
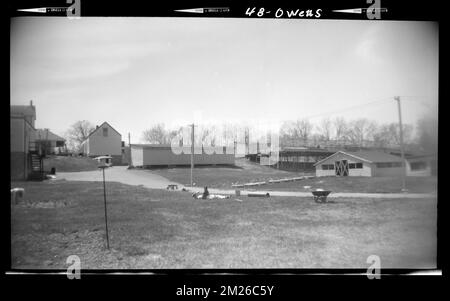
column 36, row 163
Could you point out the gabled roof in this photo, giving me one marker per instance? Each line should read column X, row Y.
column 367, row 156
column 100, row 127
column 23, row 110
column 45, row 134
column 160, row 146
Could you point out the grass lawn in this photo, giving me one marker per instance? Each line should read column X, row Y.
column 224, row 177
column 358, row 184
column 162, row 229
column 69, row 164
column 245, row 172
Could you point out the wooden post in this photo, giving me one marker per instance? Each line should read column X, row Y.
column 106, row 214
column 192, row 153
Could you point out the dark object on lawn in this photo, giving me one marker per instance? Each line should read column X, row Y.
column 320, row 196
column 17, row 195
column 53, row 171
column 205, row 193
column 259, row 195
column 172, row 186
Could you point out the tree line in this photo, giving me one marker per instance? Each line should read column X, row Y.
column 301, row 132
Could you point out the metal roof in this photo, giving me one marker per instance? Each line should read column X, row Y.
column 150, row 145
column 368, row 156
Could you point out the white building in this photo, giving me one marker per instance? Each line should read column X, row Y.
column 362, row 163
column 153, row 155
column 104, row 141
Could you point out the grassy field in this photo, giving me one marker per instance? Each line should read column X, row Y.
column 224, row 177
column 358, row 184
column 69, row 164
column 162, row 229
column 245, row 172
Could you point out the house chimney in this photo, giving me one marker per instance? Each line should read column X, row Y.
column 31, row 103
column 96, row 127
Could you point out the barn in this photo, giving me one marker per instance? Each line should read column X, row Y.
column 361, row 163
column 158, row 155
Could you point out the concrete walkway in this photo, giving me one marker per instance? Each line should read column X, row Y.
column 309, row 194
column 119, row 174
column 150, row 180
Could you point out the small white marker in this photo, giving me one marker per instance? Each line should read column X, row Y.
column 202, row 10
column 359, row 10
column 41, row 10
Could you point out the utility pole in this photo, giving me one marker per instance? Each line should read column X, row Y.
column 397, row 98
column 129, row 139
column 192, row 153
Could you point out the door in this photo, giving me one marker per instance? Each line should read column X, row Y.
column 341, row 168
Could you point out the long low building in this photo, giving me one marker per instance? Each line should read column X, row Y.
column 154, row 155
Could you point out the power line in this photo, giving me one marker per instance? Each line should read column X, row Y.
column 349, row 108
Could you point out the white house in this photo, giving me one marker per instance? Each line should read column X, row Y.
column 104, row 141
column 362, row 163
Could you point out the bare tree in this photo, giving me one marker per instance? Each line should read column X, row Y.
column 427, row 134
column 388, row 135
column 325, row 129
column 77, row 133
column 340, row 128
column 381, row 136
column 302, row 129
column 157, row 134
column 361, row 130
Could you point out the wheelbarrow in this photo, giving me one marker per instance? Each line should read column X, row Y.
column 172, row 186
column 320, row 196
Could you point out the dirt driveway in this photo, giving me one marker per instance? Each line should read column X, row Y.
column 119, row 174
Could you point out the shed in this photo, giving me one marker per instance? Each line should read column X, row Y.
column 361, row 163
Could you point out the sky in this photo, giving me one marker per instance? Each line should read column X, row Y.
column 136, row 72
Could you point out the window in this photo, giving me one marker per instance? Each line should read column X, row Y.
column 418, row 165
column 383, row 165
column 105, row 132
column 388, row 164
column 352, row 165
column 327, row 167
column 359, row 165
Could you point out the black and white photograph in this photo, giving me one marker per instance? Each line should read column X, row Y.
column 193, row 142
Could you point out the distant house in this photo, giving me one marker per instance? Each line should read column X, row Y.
column 48, row 142
column 153, row 155
column 421, row 165
column 361, row 163
column 104, row 141
column 22, row 140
